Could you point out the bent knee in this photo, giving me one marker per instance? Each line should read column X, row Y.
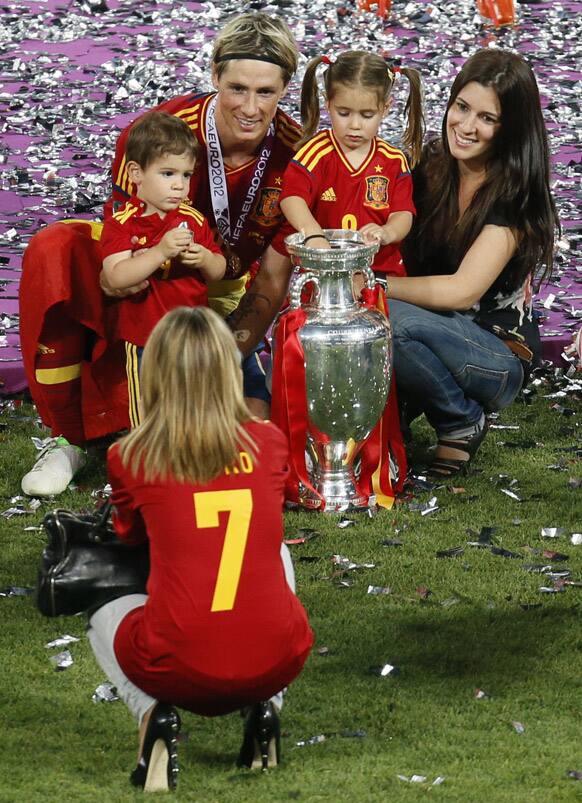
column 510, row 382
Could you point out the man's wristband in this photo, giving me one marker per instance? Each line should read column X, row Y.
column 313, row 236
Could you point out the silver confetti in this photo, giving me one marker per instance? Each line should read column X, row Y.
column 62, row 641
column 62, row 660
column 105, row 693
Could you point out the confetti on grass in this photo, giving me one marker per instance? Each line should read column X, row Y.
column 454, row 552
column 105, row 693
column 304, row 535
column 359, row 733
column 62, row 660
column 384, row 671
column 62, row 641
column 422, row 779
column 17, row 591
column 552, row 532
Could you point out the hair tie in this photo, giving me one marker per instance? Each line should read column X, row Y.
column 392, row 65
column 329, row 60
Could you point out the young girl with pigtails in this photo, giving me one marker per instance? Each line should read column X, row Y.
column 347, row 177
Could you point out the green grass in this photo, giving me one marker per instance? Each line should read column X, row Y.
column 485, row 625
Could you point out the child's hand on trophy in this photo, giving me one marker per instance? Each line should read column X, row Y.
column 373, row 233
column 316, row 240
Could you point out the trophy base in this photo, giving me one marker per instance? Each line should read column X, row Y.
column 338, row 490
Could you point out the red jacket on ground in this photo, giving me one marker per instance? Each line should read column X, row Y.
column 61, row 265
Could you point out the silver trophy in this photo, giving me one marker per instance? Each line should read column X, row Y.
column 348, row 363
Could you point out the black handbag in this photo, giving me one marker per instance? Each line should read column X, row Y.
column 85, row 565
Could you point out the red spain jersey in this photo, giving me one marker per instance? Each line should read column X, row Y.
column 265, row 217
column 221, row 628
column 342, row 197
column 172, row 285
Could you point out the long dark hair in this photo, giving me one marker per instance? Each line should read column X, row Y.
column 517, row 179
column 371, row 72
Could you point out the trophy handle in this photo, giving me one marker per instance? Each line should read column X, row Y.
column 369, row 277
column 298, row 284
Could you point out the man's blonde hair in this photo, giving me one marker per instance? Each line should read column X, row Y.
column 191, row 400
column 256, row 34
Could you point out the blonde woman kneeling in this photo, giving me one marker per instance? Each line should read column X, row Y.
column 220, row 628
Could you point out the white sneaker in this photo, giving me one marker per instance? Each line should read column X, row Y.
column 56, row 466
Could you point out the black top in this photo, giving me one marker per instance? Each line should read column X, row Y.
column 507, row 305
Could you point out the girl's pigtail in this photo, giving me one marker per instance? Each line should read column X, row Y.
column 310, row 110
column 413, row 111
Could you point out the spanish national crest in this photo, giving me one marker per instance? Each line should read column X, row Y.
column 267, row 211
column 377, row 192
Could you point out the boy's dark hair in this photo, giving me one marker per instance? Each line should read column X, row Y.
column 157, row 133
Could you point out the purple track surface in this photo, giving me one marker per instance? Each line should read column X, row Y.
column 74, row 73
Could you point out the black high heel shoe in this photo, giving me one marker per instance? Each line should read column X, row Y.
column 261, row 745
column 157, row 770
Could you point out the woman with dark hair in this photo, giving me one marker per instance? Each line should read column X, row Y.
column 464, row 336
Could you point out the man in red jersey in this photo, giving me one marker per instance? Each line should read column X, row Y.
column 247, row 143
column 262, row 215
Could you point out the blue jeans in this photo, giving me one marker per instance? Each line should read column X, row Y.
column 254, row 375
column 451, row 368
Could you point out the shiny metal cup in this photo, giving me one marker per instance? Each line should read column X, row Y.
column 348, row 362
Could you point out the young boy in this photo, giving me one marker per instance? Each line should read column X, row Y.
column 156, row 239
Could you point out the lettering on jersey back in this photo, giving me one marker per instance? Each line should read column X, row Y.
column 245, row 465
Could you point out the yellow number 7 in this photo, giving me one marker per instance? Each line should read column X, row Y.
column 239, row 505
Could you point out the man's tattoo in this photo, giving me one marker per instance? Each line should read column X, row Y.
column 242, row 335
column 250, row 304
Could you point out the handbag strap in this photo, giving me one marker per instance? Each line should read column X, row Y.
column 104, row 513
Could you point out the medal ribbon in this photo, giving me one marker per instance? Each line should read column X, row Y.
column 217, row 179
